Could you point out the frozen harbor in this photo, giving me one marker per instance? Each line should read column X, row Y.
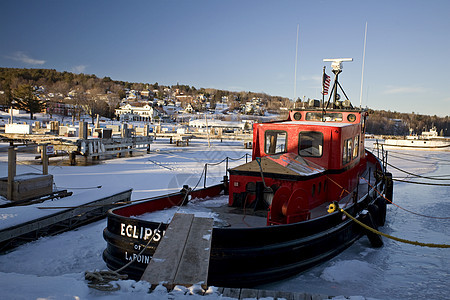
column 53, row 267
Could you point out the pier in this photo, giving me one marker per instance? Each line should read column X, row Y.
column 27, row 223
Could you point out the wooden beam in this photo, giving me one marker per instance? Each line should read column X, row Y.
column 193, row 268
column 182, row 256
column 164, row 263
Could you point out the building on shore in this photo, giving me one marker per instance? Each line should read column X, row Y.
column 136, row 112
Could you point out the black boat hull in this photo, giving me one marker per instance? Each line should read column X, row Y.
column 240, row 257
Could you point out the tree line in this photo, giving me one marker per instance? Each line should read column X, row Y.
column 396, row 123
column 102, row 96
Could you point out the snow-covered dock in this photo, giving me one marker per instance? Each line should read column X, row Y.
column 33, row 221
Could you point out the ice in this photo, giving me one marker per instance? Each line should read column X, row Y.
column 53, row 267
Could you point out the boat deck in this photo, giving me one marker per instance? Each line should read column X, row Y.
column 225, row 216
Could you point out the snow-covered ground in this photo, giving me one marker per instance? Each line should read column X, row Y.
column 53, row 267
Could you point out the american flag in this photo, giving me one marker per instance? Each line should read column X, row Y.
column 326, row 83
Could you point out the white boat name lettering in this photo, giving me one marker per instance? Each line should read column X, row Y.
column 144, row 259
column 137, row 232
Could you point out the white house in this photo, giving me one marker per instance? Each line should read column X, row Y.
column 138, row 112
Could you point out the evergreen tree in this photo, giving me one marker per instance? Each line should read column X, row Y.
column 26, row 100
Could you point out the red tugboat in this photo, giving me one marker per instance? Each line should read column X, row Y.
column 299, row 167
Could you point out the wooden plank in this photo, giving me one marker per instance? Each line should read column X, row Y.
column 248, row 293
column 164, row 263
column 301, row 296
column 193, row 268
column 231, row 292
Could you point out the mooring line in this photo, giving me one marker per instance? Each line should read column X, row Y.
column 424, row 183
column 412, row 212
column 421, row 176
column 416, row 243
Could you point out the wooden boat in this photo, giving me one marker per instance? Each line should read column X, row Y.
column 276, row 220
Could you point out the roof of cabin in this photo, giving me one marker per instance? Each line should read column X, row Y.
column 314, row 123
column 287, row 164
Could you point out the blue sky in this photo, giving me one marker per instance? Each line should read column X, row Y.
column 243, row 45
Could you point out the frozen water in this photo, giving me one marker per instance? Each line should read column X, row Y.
column 53, row 267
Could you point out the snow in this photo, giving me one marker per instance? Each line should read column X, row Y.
column 12, row 216
column 53, row 267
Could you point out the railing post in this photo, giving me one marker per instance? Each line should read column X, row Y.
column 11, row 171
column 44, row 157
column 204, row 179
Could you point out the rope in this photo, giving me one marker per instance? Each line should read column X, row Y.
column 218, row 163
column 393, row 237
column 423, row 162
column 412, row 212
column 239, row 158
column 421, row 176
column 424, row 183
column 101, row 280
column 201, row 176
column 258, row 160
column 432, row 158
column 80, row 188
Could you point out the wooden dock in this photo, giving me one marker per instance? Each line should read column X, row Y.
column 238, row 293
column 182, row 256
column 27, row 223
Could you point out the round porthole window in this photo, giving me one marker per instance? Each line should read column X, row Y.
column 351, row 118
column 297, row 116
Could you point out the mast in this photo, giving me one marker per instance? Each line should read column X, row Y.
column 362, row 72
column 295, row 67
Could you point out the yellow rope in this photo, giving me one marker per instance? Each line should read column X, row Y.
column 393, row 237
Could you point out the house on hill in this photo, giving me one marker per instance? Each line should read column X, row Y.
column 136, row 112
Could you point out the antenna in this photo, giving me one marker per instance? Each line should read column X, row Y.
column 336, row 64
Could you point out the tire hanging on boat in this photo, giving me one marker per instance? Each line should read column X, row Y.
column 389, row 186
column 375, row 239
column 381, row 203
column 375, row 213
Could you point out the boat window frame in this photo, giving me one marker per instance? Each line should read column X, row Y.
column 356, row 146
column 271, row 131
column 319, row 144
column 347, row 152
column 327, row 117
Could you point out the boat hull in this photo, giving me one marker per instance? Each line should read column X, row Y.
column 417, row 144
column 240, row 257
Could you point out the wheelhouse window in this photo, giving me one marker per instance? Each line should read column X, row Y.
column 310, row 144
column 347, row 151
column 275, row 141
column 329, row 117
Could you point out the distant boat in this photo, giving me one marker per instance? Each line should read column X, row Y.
column 277, row 213
column 428, row 140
